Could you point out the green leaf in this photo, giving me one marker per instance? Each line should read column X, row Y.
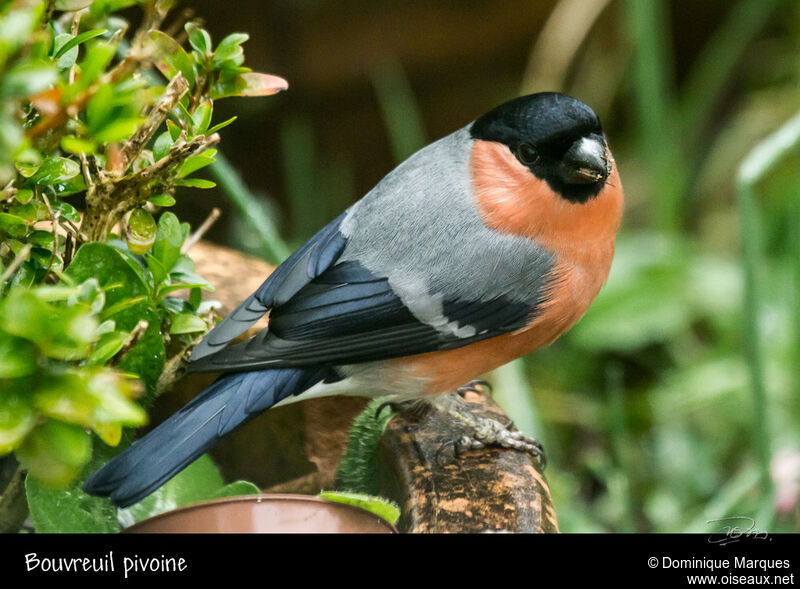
column 107, row 346
column 175, row 305
column 41, row 238
column 28, row 78
column 112, row 392
column 197, row 482
column 167, row 247
column 236, row 489
column 90, row 293
column 221, row 125
column 17, row 25
column 77, row 40
column 17, row 359
column 174, row 130
column 56, row 169
column 17, row 418
column 194, row 163
column 24, row 195
column 30, row 212
column 202, row 117
column 45, row 258
column 183, row 271
column 176, row 287
column 64, row 397
column 60, row 332
column 195, row 183
column 72, row 186
column 199, row 38
column 77, row 145
column 67, row 211
column 13, row 225
column 229, row 48
column 55, row 452
column 27, row 169
column 187, row 323
column 162, row 145
column 160, row 274
column 162, row 200
column 171, row 58
column 645, row 300
column 248, row 84
column 120, row 280
column 147, row 357
column 25, row 276
column 195, row 298
column 98, row 111
column 377, row 505
column 67, row 58
column 118, row 130
column 98, row 55
column 72, row 5
column 119, row 306
column 70, row 510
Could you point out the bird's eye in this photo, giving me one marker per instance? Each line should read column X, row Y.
column 527, row 154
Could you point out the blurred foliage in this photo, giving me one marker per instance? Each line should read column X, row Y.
column 381, row 507
column 93, row 145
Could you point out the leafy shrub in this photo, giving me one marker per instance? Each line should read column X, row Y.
column 98, row 127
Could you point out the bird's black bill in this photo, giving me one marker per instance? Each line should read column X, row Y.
column 585, row 162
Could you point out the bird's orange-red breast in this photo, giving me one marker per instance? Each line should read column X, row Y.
column 581, row 235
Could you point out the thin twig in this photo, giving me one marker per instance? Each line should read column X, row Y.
column 114, row 197
column 13, row 506
column 198, row 234
column 76, row 233
column 9, row 191
column 174, row 366
column 18, row 259
column 174, row 91
column 76, row 24
column 133, row 338
column 54, row 223
column 87, row 176
column 176, row 29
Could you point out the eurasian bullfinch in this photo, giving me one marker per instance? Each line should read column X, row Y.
column 479, row 248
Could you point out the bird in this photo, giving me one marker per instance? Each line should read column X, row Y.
column 479, row 248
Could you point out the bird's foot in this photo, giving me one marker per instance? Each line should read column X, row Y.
column 476, row 386
column 485, row 431
column 414, row 407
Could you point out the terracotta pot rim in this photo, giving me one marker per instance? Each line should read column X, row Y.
column 259, row 498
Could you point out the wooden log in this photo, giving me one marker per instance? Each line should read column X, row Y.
column 296, row 448
column 486, row 490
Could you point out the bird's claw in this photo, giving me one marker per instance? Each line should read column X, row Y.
column 412, row 407
column 391, row 404
column 485, row 432
column 476, row 386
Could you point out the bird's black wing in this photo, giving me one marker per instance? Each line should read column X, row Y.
column 305, row 264
column 348, row 315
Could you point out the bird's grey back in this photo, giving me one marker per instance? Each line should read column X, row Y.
column 420, row 228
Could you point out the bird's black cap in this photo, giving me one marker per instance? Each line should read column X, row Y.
column 557, row 137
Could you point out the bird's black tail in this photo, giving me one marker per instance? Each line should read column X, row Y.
column 194, row 429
